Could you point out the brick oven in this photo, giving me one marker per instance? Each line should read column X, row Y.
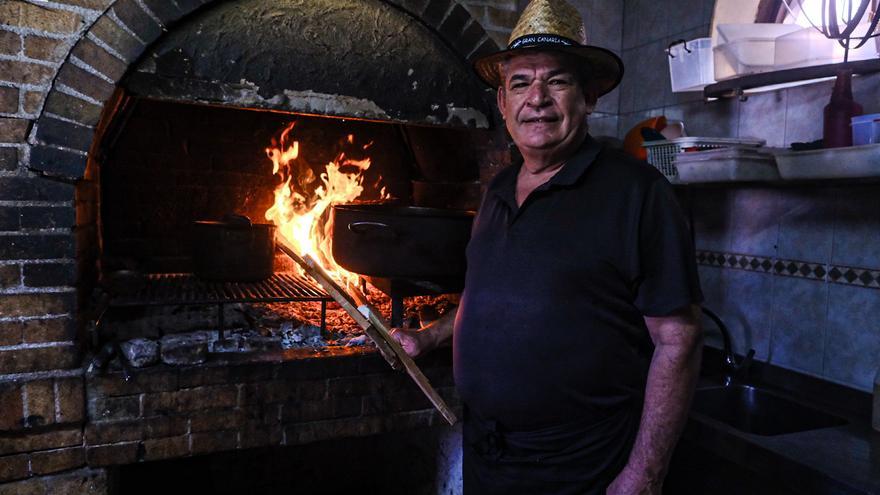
column 121, row 122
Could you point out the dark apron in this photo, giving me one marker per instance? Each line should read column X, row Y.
column 567, row 459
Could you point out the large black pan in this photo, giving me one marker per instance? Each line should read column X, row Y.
column 233, row 250
column 401, row 242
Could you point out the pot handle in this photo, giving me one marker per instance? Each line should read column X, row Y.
column 238, row 229
column 237, row 220
column 364, row 227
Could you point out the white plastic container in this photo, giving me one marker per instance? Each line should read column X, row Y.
column 691, row 65
column 663, row 154
column 866, row 129
column 757, row 32
column 726, row 165
column 831, row 163
column 808, row 46
column 747, row 48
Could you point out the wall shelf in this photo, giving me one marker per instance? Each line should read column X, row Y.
column 829, row 165
column 736, row 86
column 785, row 183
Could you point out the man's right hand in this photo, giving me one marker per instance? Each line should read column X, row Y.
column 419, row 341
column 414, row 341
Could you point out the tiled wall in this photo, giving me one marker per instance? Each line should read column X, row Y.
column 603, row 20
column 812, row 305
column 780, row 117
column 820, row 320
column 648, row 28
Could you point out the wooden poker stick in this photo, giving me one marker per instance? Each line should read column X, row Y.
column 355, row 304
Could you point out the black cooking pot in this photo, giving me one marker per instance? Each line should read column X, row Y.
column 389, row 241
column 233, row 249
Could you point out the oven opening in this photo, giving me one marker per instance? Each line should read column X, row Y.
column 192, row 196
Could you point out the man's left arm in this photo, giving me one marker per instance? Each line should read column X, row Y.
column 672, row 378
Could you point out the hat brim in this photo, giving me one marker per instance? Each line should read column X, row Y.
column 606, row 68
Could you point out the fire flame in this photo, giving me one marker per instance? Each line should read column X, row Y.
column 301, row 215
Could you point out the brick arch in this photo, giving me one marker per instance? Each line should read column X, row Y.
column 85, row 82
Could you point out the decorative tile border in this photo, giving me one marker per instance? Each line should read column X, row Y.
column 862, row 277
column 836, row 274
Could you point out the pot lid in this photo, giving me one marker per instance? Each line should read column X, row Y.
column 403, row 211
column 235, row 221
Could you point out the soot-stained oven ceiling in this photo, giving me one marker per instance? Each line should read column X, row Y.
column 348, row 58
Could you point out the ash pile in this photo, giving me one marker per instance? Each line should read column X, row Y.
column 189, row 335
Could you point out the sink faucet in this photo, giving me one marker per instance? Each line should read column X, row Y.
column 730, row 368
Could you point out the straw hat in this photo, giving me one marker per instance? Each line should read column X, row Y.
column 554, row 25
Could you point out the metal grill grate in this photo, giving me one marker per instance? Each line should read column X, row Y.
column 185, row 288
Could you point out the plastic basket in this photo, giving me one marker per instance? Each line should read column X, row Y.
column 661, row 154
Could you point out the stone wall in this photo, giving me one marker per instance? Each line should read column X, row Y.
column 496, row 16
column 167, row 412
column 41, row 387
column 80, row 482
column 60, row 62
column 163, row 412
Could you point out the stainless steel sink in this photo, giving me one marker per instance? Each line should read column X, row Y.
column 758, row 411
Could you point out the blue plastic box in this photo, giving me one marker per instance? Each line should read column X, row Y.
column 866, row 129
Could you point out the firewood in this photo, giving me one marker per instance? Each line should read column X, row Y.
column 356, row 305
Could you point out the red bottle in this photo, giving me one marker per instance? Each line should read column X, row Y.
column 839, row 112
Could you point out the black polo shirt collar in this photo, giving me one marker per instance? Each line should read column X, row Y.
column 572, row 171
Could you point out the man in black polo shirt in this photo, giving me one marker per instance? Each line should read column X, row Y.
column 576, row 344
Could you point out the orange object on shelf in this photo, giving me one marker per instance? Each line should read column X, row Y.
column 632, row 143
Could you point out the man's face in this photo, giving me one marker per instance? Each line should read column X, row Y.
column 542, row 101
